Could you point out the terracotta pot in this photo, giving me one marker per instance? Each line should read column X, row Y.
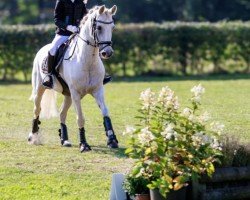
column 142, row 197
column 173, row 195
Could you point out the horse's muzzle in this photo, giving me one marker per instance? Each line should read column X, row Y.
column 106, row 53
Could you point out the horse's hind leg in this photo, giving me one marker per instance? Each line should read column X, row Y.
column 63, row 132
column 112, row 141
column 33, row 136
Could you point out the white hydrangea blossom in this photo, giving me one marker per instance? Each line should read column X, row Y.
column 186, row 112
column 145, row 136
column 197, row 92
column 205, row 117
column 148, row 99
column 168, row 99
column 169, row 132
column 217, row 127
column 129, row 130
column 200, row 138
column 215, row 144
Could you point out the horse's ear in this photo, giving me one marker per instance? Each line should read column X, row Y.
column 101, row 9
column 85, row 1
column 113, row 10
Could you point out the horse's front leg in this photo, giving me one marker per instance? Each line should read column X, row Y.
column 63, row 131
column 112, row 141
column 76, row 98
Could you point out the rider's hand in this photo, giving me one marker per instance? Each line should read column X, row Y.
column 72, row 29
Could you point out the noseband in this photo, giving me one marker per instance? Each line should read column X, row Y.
column 97, row 42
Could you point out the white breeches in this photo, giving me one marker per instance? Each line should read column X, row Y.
column 56, row 43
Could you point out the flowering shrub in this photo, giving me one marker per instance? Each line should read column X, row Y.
column 172, row 146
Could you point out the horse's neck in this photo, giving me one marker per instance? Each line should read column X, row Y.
column 87, row 54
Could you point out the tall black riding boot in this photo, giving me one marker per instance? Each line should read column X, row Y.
column 107, row 79
column 48, row 81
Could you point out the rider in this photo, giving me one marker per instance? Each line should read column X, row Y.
column 67, row 16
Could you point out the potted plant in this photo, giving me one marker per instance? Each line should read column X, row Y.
column 172, row 146
column 136, row 187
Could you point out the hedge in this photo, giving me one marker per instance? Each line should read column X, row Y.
column 168, row 48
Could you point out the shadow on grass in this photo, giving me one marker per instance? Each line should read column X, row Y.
column 119, row 153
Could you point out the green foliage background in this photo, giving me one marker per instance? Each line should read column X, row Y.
column 41, row 11
column 168, row 48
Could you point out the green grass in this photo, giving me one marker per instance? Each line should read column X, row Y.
column 53, row 172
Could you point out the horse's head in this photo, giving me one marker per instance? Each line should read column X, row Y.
column 101, row 25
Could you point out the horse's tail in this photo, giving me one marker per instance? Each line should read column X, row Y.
column 48, row 105
column 34, row 81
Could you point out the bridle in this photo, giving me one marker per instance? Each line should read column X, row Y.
column 97, row 42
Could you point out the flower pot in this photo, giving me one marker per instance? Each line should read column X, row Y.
column 173, row 195
column 142, row 197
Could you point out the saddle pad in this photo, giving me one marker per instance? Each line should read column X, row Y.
column 58, row 61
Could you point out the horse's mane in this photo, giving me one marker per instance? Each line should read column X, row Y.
column 91, row 13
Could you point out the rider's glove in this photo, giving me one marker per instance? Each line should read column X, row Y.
column 72, row 29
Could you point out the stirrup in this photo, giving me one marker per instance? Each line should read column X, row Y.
column 48, row 84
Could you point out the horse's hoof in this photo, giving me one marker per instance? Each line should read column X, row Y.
column 84, row 147
column 66, row 143
column 29, row 139
column 113, row 144
column 34, row 139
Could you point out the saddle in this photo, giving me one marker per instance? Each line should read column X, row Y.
column 59, row 57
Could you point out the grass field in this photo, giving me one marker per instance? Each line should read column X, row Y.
column 53, row 172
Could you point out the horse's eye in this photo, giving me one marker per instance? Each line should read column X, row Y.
column 99, row 28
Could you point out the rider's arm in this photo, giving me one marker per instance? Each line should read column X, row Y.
column 59, row 15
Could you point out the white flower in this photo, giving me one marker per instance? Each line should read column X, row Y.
column 148, row 99
column 201, row 138
column 204, row 117
column 217, row 127
column 168, row 99
column 215, row 144
column 129, row 130
column 145, row 136
column 197, row 92
column 169, row 132
column 186, row 112
column 192, row 118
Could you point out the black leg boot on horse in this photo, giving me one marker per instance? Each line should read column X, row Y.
column 48, row 80
column 33, row 136
column 112, row 141
column 63, row 134
column 84, row 146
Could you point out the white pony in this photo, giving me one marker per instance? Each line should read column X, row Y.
column 83, row 73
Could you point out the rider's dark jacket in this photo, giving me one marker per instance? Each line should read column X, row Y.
column 68, row 13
